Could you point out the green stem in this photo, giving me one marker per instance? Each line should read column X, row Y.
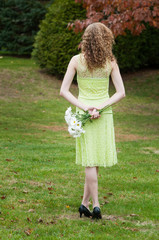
column 101, row 110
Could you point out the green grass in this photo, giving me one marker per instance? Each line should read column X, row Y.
column 38, row 169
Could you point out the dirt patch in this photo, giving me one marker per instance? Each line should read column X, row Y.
column 119, row 137
column 53, row 127
column 112, row 218
column 149, row 150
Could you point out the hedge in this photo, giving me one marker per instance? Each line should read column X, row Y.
column 19, row 23
column 54, row 44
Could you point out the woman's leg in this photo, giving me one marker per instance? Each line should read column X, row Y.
column 86, row 194
column 91, row 186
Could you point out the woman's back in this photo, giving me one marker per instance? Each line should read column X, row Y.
column 93, row 85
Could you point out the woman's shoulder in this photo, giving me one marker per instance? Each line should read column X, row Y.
column 75, row 59
column 113, row 63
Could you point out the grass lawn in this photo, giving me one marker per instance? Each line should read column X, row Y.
column 41, row 187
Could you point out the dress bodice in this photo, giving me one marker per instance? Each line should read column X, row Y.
column 95, row 84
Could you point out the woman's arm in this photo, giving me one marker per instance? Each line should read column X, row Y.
column 68, row 78
column 119, row 86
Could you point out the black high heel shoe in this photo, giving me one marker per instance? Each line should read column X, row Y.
column 96, row 213
column 85, row 211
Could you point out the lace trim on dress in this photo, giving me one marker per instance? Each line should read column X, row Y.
column 83, row 72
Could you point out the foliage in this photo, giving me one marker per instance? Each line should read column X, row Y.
column 19, row 22
column 54, row 43
column 119, row 15
column 134, row 52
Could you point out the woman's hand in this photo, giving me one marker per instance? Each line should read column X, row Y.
column 93, row 112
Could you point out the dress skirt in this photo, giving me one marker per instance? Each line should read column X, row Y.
column 97, row 147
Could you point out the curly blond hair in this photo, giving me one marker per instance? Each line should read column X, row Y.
column 96, row 45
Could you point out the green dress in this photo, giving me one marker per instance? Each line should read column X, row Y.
column 95, row 147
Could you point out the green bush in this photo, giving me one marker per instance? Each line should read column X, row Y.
column 19, row 22
column 54, row 43
column 134, row 52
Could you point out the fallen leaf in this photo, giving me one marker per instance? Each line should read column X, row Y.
column 49, row 183
column 116, row 223
column 53, row 222
column 28, row 232
column 13, row 220
column 109, row 193
column 106, row 202
column 132, row 229
column 25, row 191
column 40, row 220
column 28, row 219
column 9, row 160
column 31, row 210
column 157, row 170
column 133, row 215
column 122, row 196
column 22, row 201
column 3, row 197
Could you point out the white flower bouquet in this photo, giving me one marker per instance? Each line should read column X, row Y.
column 76, row 121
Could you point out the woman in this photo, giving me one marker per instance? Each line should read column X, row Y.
column 96, row 147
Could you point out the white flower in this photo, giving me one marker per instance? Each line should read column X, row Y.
column 68, row 115
column 68, row 111
column 78, row 125
column 71, row 130
column 68, row 119
column 74, row 125
column 73, row 121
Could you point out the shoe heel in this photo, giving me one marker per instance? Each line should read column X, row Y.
column 80, row 211
column 97, row 213
column 85, row 211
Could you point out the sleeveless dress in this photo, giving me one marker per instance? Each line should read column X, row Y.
column 95, row 147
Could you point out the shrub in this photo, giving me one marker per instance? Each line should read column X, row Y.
column 134, row 52
column 19, row 22
column 54, row 43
